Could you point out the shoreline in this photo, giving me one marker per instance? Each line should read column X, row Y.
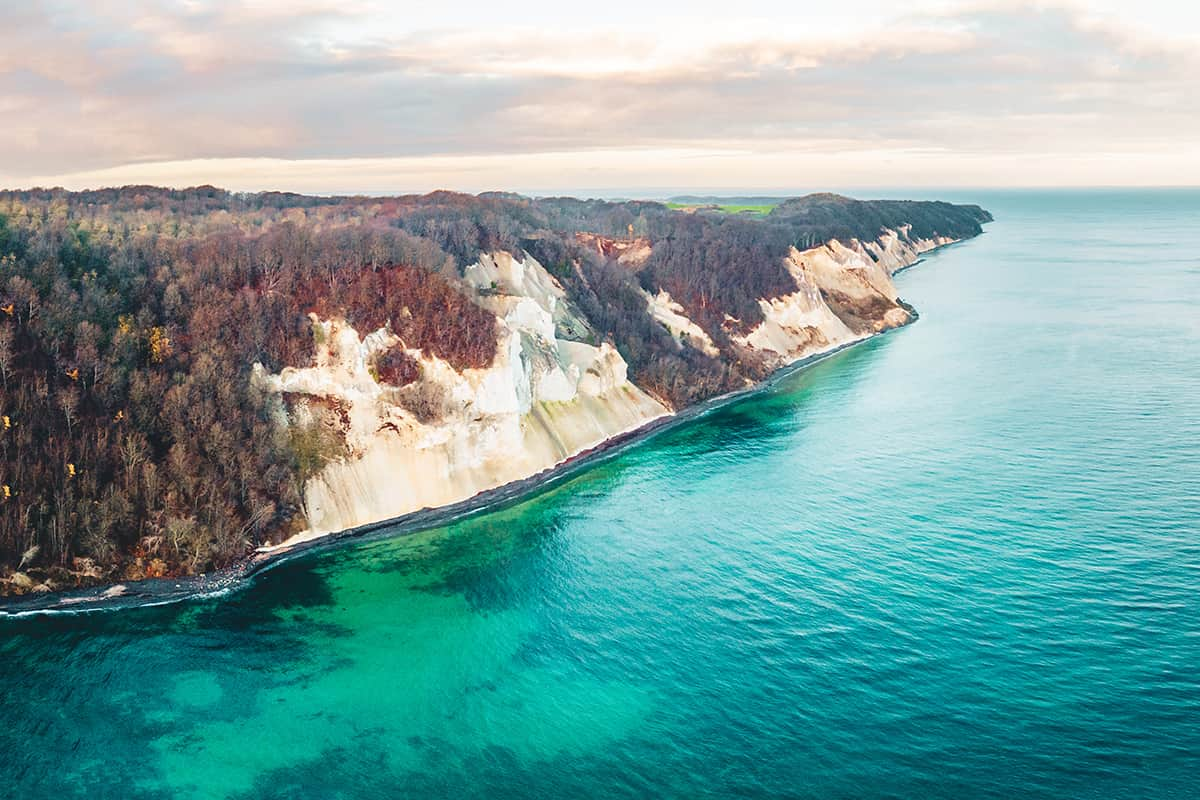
column 163, row 591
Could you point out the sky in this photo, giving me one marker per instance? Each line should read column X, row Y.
column 330, row 96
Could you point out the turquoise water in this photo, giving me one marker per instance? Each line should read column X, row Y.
column 962, row 560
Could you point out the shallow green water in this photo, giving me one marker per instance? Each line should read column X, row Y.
column 962, row 560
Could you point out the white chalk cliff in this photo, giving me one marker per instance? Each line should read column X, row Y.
column 833, row 278
column 543, row 400
column 670, row 315
column 549, row 394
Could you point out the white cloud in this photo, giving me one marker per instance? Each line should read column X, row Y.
column 110, row 91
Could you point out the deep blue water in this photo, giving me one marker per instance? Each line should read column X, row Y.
column 959, row 561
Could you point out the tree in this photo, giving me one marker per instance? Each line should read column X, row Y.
column 6, row 351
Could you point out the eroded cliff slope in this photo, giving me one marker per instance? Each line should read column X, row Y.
column 548, row 394
column 451, row 434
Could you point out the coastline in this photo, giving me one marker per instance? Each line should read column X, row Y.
column 238, row 575
column 162, row 591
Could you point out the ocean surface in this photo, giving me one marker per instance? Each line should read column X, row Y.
column 959, row 561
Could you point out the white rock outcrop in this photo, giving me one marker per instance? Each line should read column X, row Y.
column 670, row 315
column 543, row 400
column 549, row 394
column 804, row 323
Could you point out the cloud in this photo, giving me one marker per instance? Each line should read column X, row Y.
column 85, row 89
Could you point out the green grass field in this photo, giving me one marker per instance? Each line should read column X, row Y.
column 756, row 210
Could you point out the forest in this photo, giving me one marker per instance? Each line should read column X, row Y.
column 132, row 442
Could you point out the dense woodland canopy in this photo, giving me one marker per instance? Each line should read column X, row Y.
column 132, row 441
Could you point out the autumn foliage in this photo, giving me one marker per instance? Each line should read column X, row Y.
column 423, row 309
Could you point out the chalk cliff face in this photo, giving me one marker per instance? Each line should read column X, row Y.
column 549, row 394
column 670, row 315
column 546, row 397
column 843, row 293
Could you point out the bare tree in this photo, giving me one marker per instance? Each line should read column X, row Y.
column 6, row 352
column 68, row 401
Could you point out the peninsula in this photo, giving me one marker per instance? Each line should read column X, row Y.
column 192, row 377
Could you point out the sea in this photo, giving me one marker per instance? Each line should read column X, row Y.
column 960, row 560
